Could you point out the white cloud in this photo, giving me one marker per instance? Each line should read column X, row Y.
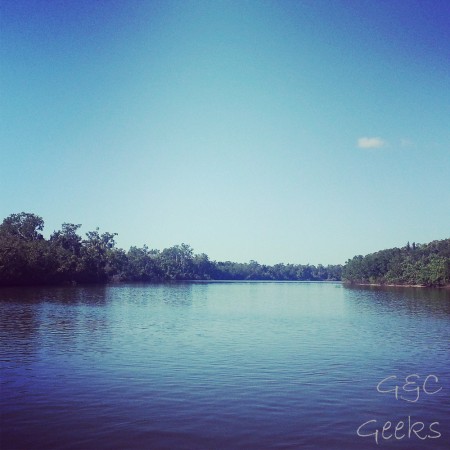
column 371, row 142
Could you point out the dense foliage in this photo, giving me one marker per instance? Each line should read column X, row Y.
column 26, row 258
column 416, row 264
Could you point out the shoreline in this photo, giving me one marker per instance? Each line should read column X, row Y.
column 157, row 282
column 446, row 286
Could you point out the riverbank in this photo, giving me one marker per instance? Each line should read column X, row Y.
column 446, row 286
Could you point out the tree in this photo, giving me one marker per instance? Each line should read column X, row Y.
column 427, row 264
column 143, row 264
column 117, row 264
column 435, row 272
column 203, row 267
column 68, row 238
column 177, row 262
column 13, row 259
column 25, row 256
column 67, row 245
column 94, row 255
column 25, row 226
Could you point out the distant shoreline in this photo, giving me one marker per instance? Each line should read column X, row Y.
column 27, row 258
column 158, row 282
column 348, row 283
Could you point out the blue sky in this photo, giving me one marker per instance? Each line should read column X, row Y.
column 279, row 131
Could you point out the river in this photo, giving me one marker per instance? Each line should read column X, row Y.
column 224, row 365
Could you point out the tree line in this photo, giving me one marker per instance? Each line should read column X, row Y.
column 27, row 258
column 416, row 264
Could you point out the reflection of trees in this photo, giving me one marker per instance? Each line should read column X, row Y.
column 56, row 318
column 414, row 301
column 55, row 294
column 18, row 325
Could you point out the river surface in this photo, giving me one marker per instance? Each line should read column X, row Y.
column 239, row 365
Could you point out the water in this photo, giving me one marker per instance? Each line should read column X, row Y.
column 223, row 366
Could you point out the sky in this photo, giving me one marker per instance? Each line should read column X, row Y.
column 301, row 132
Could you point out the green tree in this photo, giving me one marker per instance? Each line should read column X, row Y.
column 68, row 238
column 143, row 264
column 67, row 247
column 95, row 252
column 25, row 226
column 203, row 267
column 435, row 271
column 177, row 262
column 13, row 259
column 25, row 256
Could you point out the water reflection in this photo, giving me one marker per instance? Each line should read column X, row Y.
column 18, row 323
column 57, row 317
column 404, row 330
column 401, row 300
column 92, row 295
